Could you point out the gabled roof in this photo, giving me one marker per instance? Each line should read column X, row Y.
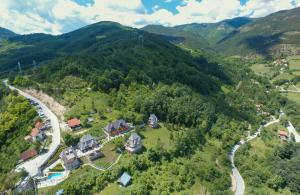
column 115, row 125
column 125, row 179
column 68, row 153
column 28, row 154
column 283, row 133
column 38, row 125
column 73, row 122
column 86, row 138
column 35, row 132
column 153, row 117
column 134, row 136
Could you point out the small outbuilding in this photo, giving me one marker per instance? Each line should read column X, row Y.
column 90, row 119
column 125, row 179
column 95, row 155
column 28, row 154
column 74, row 124
column 27, row 138
column 283, row 135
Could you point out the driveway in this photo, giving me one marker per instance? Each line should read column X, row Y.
column 32, row 166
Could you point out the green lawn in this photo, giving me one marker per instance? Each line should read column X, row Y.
column 285, row 75
column 294, row 62
column 261, row 69
column 110, row 156
column 112, row 189
column 196, row 189
column 152, row 136
column 295, row 97
column 97, row 106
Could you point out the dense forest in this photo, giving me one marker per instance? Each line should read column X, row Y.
column 219, row 109
column 206, row 100
column 16, row 119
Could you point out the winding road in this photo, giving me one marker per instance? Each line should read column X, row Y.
column 240, row 184
column 33, row 166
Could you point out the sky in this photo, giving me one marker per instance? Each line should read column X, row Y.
column 61, row 16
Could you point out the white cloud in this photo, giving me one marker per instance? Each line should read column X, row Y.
column 259, row 8
column 57, row 16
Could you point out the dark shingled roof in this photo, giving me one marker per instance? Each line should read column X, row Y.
column 115, row 125
column 86, row 138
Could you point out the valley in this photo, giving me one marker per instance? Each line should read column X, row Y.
column 208, row 108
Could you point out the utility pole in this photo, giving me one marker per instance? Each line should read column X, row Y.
column 20, row 68
column 135, row 34
column 141, row 41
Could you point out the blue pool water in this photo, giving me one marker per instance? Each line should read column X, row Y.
column 55, row 175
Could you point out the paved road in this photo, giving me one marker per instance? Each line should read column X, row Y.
column 32, row 166
column 240, row 184
column 292, row 130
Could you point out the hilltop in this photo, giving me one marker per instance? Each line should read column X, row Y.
column 108, row 45
column 275, row 34
column 5, row 33
column 199, row 36
column 268, row 36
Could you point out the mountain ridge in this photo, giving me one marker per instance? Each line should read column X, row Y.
column 5, row 33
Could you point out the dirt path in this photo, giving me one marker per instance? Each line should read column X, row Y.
column 57, row 108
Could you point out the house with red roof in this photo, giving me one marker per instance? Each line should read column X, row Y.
column 37, row 135
column 74, row 124
column 283, row 135
column 39, row 125
column 28, row 154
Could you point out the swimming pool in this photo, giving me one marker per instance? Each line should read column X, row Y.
column 54, row 176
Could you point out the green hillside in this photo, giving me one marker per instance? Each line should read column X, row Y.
column 204, row 103
column 179, row 36
column 199, row 36
column 104, row 46
column 276, row 34
column 5, row 33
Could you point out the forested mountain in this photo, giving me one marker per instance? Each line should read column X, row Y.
column 199, row 36
column 271, row 35
column 268, row 36
column 5, row 33
column 205, row 102
column 107, row 45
